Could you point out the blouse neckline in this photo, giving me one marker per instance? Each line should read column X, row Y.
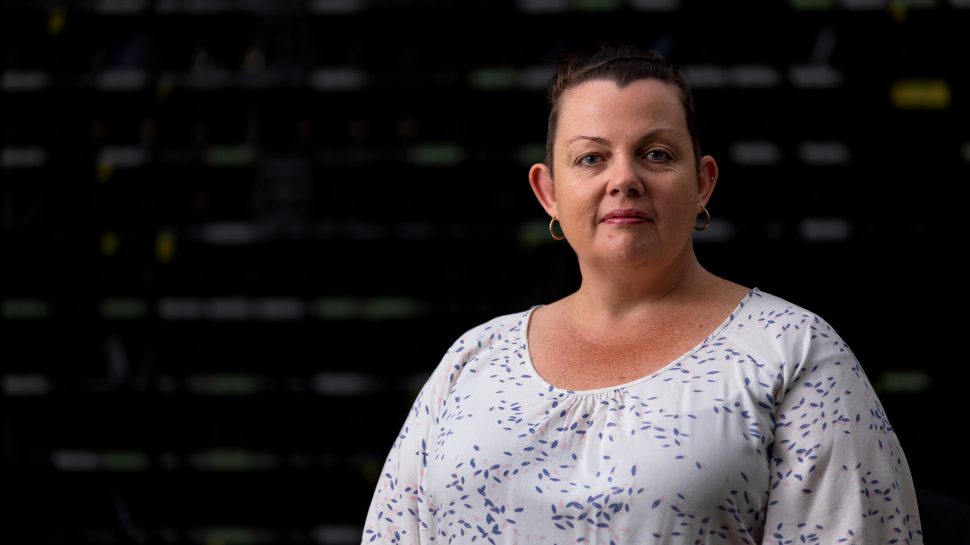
column 707, row 340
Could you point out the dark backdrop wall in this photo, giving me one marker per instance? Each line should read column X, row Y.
column 237, row 236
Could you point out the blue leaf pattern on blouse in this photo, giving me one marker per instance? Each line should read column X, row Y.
column 767, row 432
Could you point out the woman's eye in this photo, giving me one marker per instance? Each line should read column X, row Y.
column 582, row 160
column 653, row 154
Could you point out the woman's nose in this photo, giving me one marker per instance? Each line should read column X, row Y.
column 625, row 178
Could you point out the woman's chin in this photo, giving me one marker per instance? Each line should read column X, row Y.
column 627, row 253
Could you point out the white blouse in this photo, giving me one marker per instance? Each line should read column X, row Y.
column 768, row 431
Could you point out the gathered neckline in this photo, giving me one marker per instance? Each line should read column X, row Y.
column 714, row 334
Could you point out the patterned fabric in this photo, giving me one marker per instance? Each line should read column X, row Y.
column 767, row 432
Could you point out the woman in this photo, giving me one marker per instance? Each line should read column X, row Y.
column 659, row 403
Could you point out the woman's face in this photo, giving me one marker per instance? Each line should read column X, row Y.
column 624, row 149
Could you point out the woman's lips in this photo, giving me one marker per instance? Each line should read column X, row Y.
column 625, row 220
column 626, row 214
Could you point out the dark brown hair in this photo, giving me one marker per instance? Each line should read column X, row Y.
column 621, row 64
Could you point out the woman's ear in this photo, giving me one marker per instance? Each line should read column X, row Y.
column 707, row 179
column 540, row 178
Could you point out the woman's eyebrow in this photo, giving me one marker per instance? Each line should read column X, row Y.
column 606, row 142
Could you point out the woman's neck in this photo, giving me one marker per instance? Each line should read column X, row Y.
column 615, row 295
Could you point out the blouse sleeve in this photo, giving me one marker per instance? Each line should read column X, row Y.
column 838, row 472
column 395, row 513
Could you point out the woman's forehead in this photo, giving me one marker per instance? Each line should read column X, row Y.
column 599, row 107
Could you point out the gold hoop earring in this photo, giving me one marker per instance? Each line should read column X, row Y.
column 553, row 233
column 708, row 214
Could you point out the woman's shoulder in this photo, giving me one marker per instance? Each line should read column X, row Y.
column 472, row 347
column 502, row 331
column 769, row 326
column 766, row 312
column 768, row 303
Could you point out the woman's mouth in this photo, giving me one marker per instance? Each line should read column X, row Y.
column 625, row 220
column 625, row 216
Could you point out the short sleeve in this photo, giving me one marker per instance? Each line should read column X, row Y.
column 838, row 474
column 395, row 513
